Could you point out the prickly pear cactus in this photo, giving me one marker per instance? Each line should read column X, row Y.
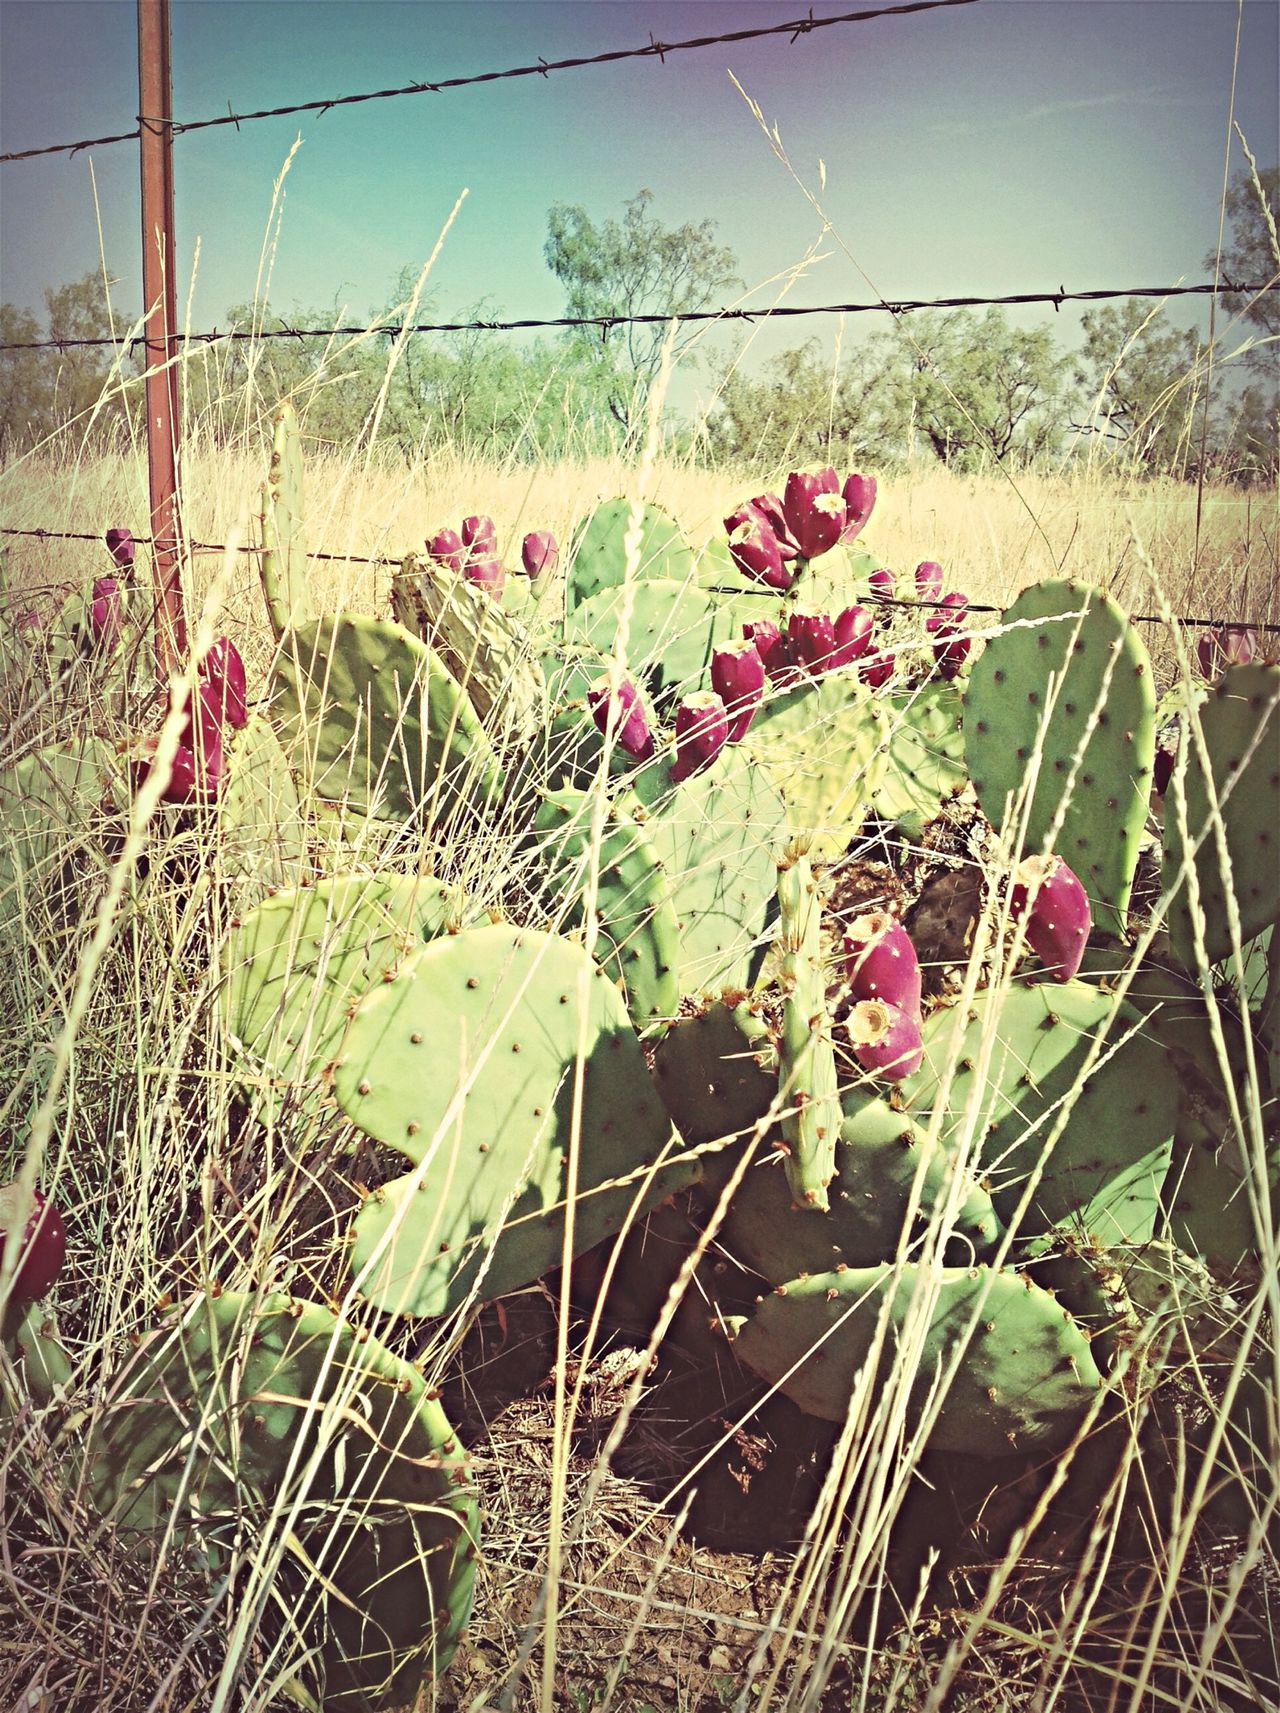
column 378, row 722
column 486, row 650
column 668, row 640
column 466, row 1061
column 1240, row 770
column 717, row 1074
column 807, row 1087
column 1067, row 674
column 624, row 538
column 639, row 937
column 1104, row 1175
column 925, row 767
column 48, row 805
column 1024, row 1383
column 824, row 745
column 262, row 825
column 284, row 557
column 268, row 1417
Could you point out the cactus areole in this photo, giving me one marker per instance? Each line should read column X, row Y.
column 42, row 1246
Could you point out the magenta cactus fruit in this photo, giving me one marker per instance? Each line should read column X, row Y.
column 812, row 640
column 771, row 510
column 539, row 552
column 446, row 548
column 480, row 536
column 886, row 1040
column 737, row 677
column 121, row 548
column 950, row 647
column 755, row 549
column 621, row 707
column 222, row 670
column 42, row 1248
column 702, row 730
column 859, row 494
column 881, row 962
column 106, row 613
column 815, row 510
column 487, row 574
column 881, row 581
column 770, row 645
column 1223, row 646
column 928, row 580
column 877, row 669
column 853, row 627
column 1058, row 915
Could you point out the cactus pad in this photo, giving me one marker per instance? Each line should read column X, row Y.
column 926, row 765
column 598, row 558
column 824, row 746
column 284, row 557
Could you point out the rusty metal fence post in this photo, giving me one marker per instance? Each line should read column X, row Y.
column 159, row 293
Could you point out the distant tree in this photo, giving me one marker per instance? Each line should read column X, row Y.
column 799, row 412
column 45, row 391
column 1251, row 257
column 635, row 266
column 1140, row 378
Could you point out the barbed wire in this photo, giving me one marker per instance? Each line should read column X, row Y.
column 360, row 559
column 605, row 323
column 654, row 49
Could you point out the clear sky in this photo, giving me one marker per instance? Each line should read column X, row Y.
column 1003, row 146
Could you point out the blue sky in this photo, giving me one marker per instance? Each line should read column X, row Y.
column 991, row 148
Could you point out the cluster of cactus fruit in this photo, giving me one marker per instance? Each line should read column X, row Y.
column 679, row 1012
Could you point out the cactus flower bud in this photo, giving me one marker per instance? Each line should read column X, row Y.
column 42, row 1247
column 886, row 1040
column 812, row 638
column 928, row 580
column 815, row 510
column 702, row 730
column 859, row 499
column 737, row 677
column 447, row 549
column 881, row 581
column 755, row 550
column 121, row 548
column 853, row 627
column 881, row 962
column 106, row 613
column 877, row 669
column 1223, row 646
column 480, row 536
column 487, row 574
column 621, row 707
column 1058, row 914
column 223, row 670
column 539, row 552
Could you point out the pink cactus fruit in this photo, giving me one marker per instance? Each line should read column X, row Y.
column 42, row 1247
column 446, row 548
column 812, row 639
column 886, row 1040
column 853, row 627
column 121, row 548
column 539, row 552
column 621, row 707
column 1056, row 906
column 106, row 613
column 815, row 510
column 480, row 536
column 877, row 669
column 859, row 498
column 1223, row 646
column 881, row 962
column 754, row 548
column 881, row 581
column 222, row 670
column 950, row 647
column 197, row 769
column 928, row 580
column 702, row 730
column 487, row 574
column 770, row 645
column 737, row 677
column 770, row 509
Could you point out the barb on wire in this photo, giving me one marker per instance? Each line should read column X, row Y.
column 606, row 323
column 652, row 50
column 361, row 559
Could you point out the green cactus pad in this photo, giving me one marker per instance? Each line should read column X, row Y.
column 716, row 1074
column 926, row 765
column 639, row 937
column 43, row 1365
column 490, row 1204
column 262, row 826
column 1024, row 1383
column 598, row 557
column 268, row 1417
column 284, row 556
column 1104, row 1176
column 825, row 746
column 378, row 721
column 717, row 836
column 807, row 1088
column 49, row 803
column 295, row 966
column 1239, row 718
column 673, row 630
column 1076, row 635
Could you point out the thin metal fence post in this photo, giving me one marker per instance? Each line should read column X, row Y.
column 159, row 291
